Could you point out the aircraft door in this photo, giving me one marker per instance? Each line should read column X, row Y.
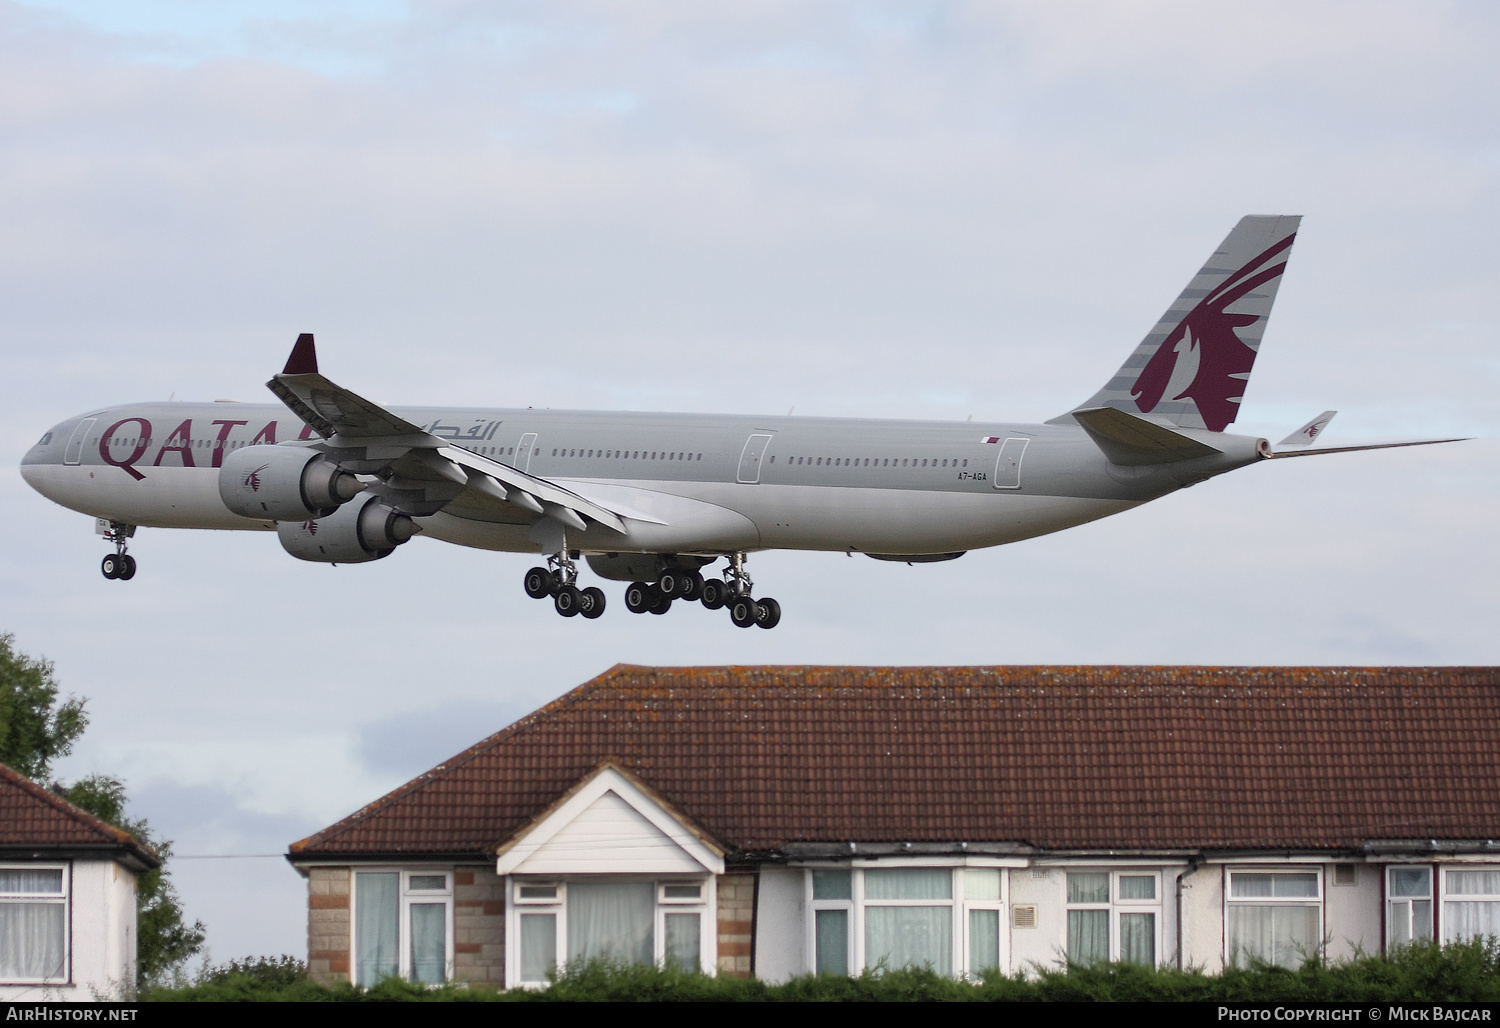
column 750, row 458
column 1008, row 464
column 523, row 452
column 74, row 452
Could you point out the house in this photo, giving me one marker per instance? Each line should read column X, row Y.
column 67, row 898
column 779, row 821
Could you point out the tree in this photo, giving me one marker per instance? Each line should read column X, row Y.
column 164, row 942
column 33, row 727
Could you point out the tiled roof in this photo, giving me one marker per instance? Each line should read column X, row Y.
column 1055, row 757
column 33, row 818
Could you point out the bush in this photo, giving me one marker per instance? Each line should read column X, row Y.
column 1461, row 972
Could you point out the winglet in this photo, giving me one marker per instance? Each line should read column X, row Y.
column 304, row 358
column 1309, row 432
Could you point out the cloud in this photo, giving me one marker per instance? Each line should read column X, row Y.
column 873, row 210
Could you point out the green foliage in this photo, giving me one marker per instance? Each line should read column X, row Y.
column 164, row 942
column 272, row 972
column 1462, row 972
column 34, row 729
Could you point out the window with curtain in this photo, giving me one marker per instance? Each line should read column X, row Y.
column 900, row 929
column 402, row 926
column 1275, row 917
column 33, row 924
column 562, row 922
column 611, row 921
column 832, row 906
column 1408, row 905
column 1113, row 916
column 1471, row 903
column 946, row 918
column 377, row 926
column 983, row 887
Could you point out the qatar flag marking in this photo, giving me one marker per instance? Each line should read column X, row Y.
column 990, row 439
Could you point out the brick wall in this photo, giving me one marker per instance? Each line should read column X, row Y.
column 479, row 926
column 328, row 924
column 736, row 912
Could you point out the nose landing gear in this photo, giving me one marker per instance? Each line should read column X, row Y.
column 119, row 564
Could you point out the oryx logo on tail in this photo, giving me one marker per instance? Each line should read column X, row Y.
column 1191, row 369
column 1203, row 359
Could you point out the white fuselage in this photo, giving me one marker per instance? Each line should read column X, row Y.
column 686, row 483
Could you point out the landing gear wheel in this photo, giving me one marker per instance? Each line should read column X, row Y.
column 568, row 601
column 638, row 598
column 692, row 585
column 539, row 583
column 670, row 584
column 714, row 593
column 660, row 602
column 768, row 613
column 592, row 604
column 127, row 568
column 744, row 612
column 112, row 565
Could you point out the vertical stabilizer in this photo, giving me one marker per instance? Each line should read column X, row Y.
column 1192, row 368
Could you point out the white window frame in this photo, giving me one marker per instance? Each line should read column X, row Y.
column 1400, row 906
column 1116, row 905
column 406, row 897
column 705, row 906
column 1230, row 870
column 856, row 905
column 63, row 899
column 1441, row 919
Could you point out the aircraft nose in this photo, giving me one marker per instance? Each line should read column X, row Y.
column 38, row 457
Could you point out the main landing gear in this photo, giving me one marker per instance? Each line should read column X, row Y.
column 119, row 564
column 733, row 591
column 559, row 580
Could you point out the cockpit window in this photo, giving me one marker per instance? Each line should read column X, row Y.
column 45, row 439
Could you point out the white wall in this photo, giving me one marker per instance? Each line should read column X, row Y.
column 103, row 937
column 1203, row 919
column 1046, row 944
column 781, row 925
column 1352, row 913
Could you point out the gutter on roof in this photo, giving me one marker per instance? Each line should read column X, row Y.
column 1382, row 847
column 835, row 850
column 302, row 861
column 136, row 858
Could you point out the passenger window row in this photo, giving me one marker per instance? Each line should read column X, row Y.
column 192, row 444
column 628, row 454
column 879, row 462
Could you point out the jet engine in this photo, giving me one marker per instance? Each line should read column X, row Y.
column 356, row 532
column 284, row 483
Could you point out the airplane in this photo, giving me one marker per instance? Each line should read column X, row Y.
column 655, row 499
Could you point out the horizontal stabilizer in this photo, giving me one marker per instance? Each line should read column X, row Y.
column 1367, row 446
column 1309, row 432
column 1134, row 442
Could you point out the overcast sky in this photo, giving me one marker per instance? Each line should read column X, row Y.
column 897, row 210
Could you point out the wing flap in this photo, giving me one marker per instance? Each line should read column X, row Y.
column 348, row 421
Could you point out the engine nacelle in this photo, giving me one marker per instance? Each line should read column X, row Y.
column 356, row 532
column 284, row 483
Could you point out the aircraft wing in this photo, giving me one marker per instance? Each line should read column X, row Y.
column 423, row 472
